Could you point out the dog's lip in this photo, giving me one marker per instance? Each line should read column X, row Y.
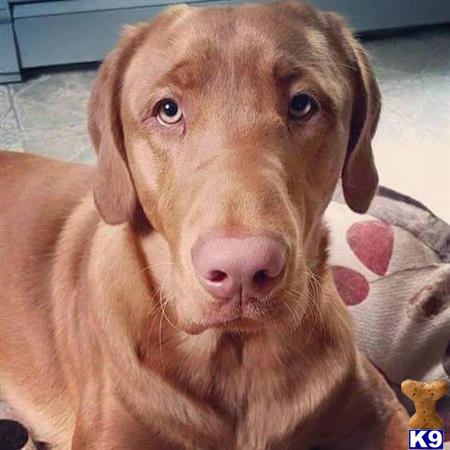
column 237, row 317
column 237, row 323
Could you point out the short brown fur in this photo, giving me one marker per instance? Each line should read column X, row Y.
column 106, row 339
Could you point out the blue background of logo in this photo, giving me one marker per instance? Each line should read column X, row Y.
column 425, row 438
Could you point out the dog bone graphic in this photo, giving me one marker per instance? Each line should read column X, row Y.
column 425, row 395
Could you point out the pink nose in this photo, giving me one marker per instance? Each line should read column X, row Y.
column 233, row 267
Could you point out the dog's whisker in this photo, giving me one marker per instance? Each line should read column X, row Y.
column 162, row 304
column 152, row 266
column 156, row 308
column 163, row 308
column 289, row 308
column 160, row 342
column 312, row 308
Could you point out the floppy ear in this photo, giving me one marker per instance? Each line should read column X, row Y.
column 114, row 192
column 359, row 174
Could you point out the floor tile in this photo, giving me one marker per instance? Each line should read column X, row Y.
column 55, row 99
column 70, row 143
column 5, row 104
column 10, row 135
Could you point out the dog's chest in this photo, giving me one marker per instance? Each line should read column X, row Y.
column 235, row 375
column 260, row 394
column 262, row 388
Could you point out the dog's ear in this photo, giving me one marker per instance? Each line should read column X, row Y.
column 359, row 174
column 114, row 192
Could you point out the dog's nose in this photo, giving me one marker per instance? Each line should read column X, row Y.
column 229, row 267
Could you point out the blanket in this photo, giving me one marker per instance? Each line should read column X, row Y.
column 392, row 268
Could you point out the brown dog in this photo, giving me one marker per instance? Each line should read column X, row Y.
column 178, row 297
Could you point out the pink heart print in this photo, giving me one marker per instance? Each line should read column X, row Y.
column 351, row 285
column 372, row 241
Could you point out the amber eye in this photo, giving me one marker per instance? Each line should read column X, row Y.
column 303, row 106
column 168, row 112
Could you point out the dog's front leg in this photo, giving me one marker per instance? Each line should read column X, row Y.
column 111, row 426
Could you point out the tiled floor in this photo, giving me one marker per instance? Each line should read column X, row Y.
column 47, row 114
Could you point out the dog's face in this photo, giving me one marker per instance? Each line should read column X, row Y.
column 230, row 128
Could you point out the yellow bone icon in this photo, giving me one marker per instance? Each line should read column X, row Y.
column 425, row 395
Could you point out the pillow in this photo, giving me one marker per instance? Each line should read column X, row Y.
column 392, row 268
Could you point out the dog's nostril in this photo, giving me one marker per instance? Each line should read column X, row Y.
column 261, row 277
column 217, row 276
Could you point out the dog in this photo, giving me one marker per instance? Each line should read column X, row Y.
column 178, row 296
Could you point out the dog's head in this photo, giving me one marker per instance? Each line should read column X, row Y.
column 229, row 128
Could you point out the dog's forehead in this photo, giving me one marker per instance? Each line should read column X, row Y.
column 251, row 42
column 253, row 31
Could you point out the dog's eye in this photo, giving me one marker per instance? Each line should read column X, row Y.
column 303, row 106
column 168, row 112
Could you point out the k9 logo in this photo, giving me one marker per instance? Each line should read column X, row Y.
column 426, row 439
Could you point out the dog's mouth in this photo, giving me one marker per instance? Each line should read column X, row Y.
column 246, row 315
